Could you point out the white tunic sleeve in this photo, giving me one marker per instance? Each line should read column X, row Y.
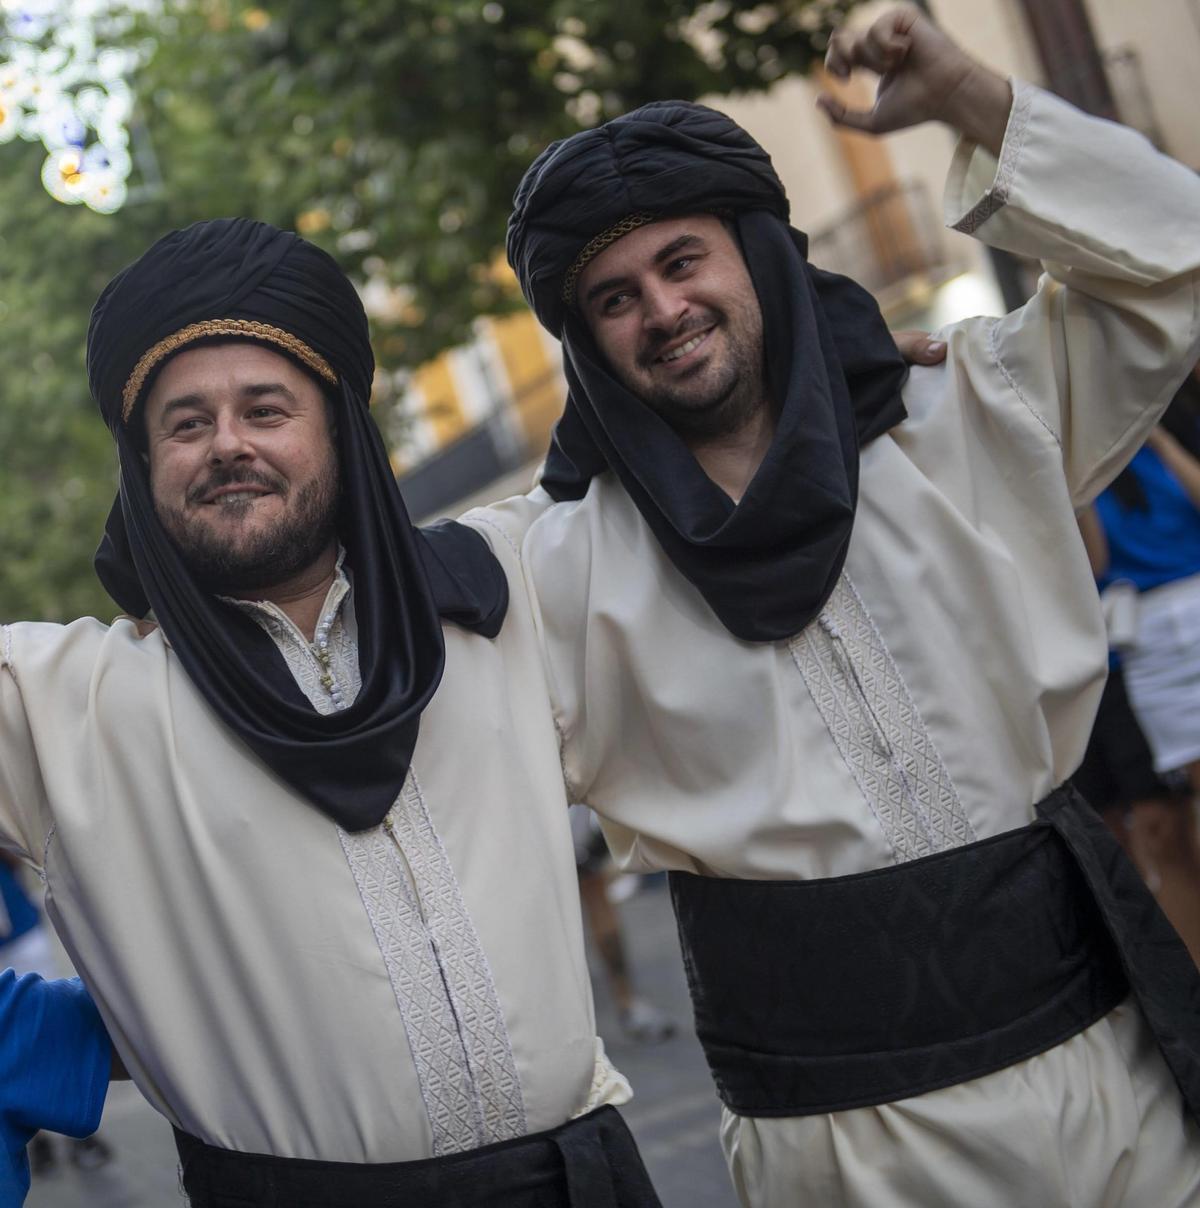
column 504, row 525
column 23, row 807
column 1099, row 350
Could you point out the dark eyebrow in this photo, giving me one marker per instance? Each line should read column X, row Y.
column 180, row 403
column 260, row 388
column 676, row 245
column 664, row 253
column 256, row 390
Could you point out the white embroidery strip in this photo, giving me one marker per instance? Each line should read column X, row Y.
column 1010, row 155
column 873, row 720
column 412, row 965
column 464, row 964
column 435, row 961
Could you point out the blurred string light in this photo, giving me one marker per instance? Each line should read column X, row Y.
column 64, row 82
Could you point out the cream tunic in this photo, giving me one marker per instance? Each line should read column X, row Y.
column 949, row 683
column 275, row 984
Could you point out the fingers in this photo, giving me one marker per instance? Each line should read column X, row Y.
column 853, row 119
column 881, row 48
column 838, row 54
column 884, row 46
column 918, row 349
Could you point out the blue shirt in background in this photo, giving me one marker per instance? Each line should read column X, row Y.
column 54, row 1068
column 22, row 913
column 1156, row 546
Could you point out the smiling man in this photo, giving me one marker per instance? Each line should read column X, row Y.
column 823, row 641
column 244, row 470
column 701, row 371
column 298, row 836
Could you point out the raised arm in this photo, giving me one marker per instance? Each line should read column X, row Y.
column 1098, row 352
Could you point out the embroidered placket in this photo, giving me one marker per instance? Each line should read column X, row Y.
column 878, row 731
column 470, row 987
column 438, row 970
column 387, row 887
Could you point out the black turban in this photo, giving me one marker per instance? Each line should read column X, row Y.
column 766, row 565
column 244, row 280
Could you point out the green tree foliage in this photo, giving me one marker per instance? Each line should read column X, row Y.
column 392, row 132
column 57, row 468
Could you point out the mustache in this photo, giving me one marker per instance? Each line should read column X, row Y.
column 653, row 347
column 236, row 477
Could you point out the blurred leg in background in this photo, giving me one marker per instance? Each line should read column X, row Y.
column 1152, row 815
column 641, row 1020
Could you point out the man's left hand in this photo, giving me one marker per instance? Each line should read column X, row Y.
column 918, row 349
column 924, row 76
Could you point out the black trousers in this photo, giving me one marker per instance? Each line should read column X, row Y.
column 592, row 1162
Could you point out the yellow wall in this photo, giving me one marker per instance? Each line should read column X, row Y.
column 533, row 376
column 442, row 408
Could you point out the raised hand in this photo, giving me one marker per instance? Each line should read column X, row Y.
column 924, row 76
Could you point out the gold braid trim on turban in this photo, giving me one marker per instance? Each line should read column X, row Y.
column 596, row 245
column 219, row 327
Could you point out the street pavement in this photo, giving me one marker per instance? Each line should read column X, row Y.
column 674, row 1114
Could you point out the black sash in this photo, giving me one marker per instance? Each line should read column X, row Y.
column 820, row 996
column 592, row 1162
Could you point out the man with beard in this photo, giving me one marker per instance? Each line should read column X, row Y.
column 306, row 924
column 823, row 641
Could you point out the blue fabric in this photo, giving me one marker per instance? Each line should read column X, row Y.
column 54, row 1068
column 1158, row 545
column 22, row 913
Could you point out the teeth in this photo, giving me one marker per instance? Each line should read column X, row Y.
column 237, row 496
column 683, row 349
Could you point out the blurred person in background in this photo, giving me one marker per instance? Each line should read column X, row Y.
column 25, row 947
column 823, row 640
column 640, row 1020
column 24, row 941
column 304, row 835
column 1150, row 517
column 55, row 1063
column 1143, row 537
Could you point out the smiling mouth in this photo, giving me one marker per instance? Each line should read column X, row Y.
column 233, row 497
column 682, row 350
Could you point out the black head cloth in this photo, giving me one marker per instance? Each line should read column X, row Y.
column 243, row 280
column 767, row 565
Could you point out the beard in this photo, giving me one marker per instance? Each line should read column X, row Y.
column 713, row 400
column 268, row 554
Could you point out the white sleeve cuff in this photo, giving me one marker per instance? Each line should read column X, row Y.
column 978, row 185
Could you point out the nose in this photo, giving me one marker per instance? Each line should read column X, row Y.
column 662, row 306
column 229, row 443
